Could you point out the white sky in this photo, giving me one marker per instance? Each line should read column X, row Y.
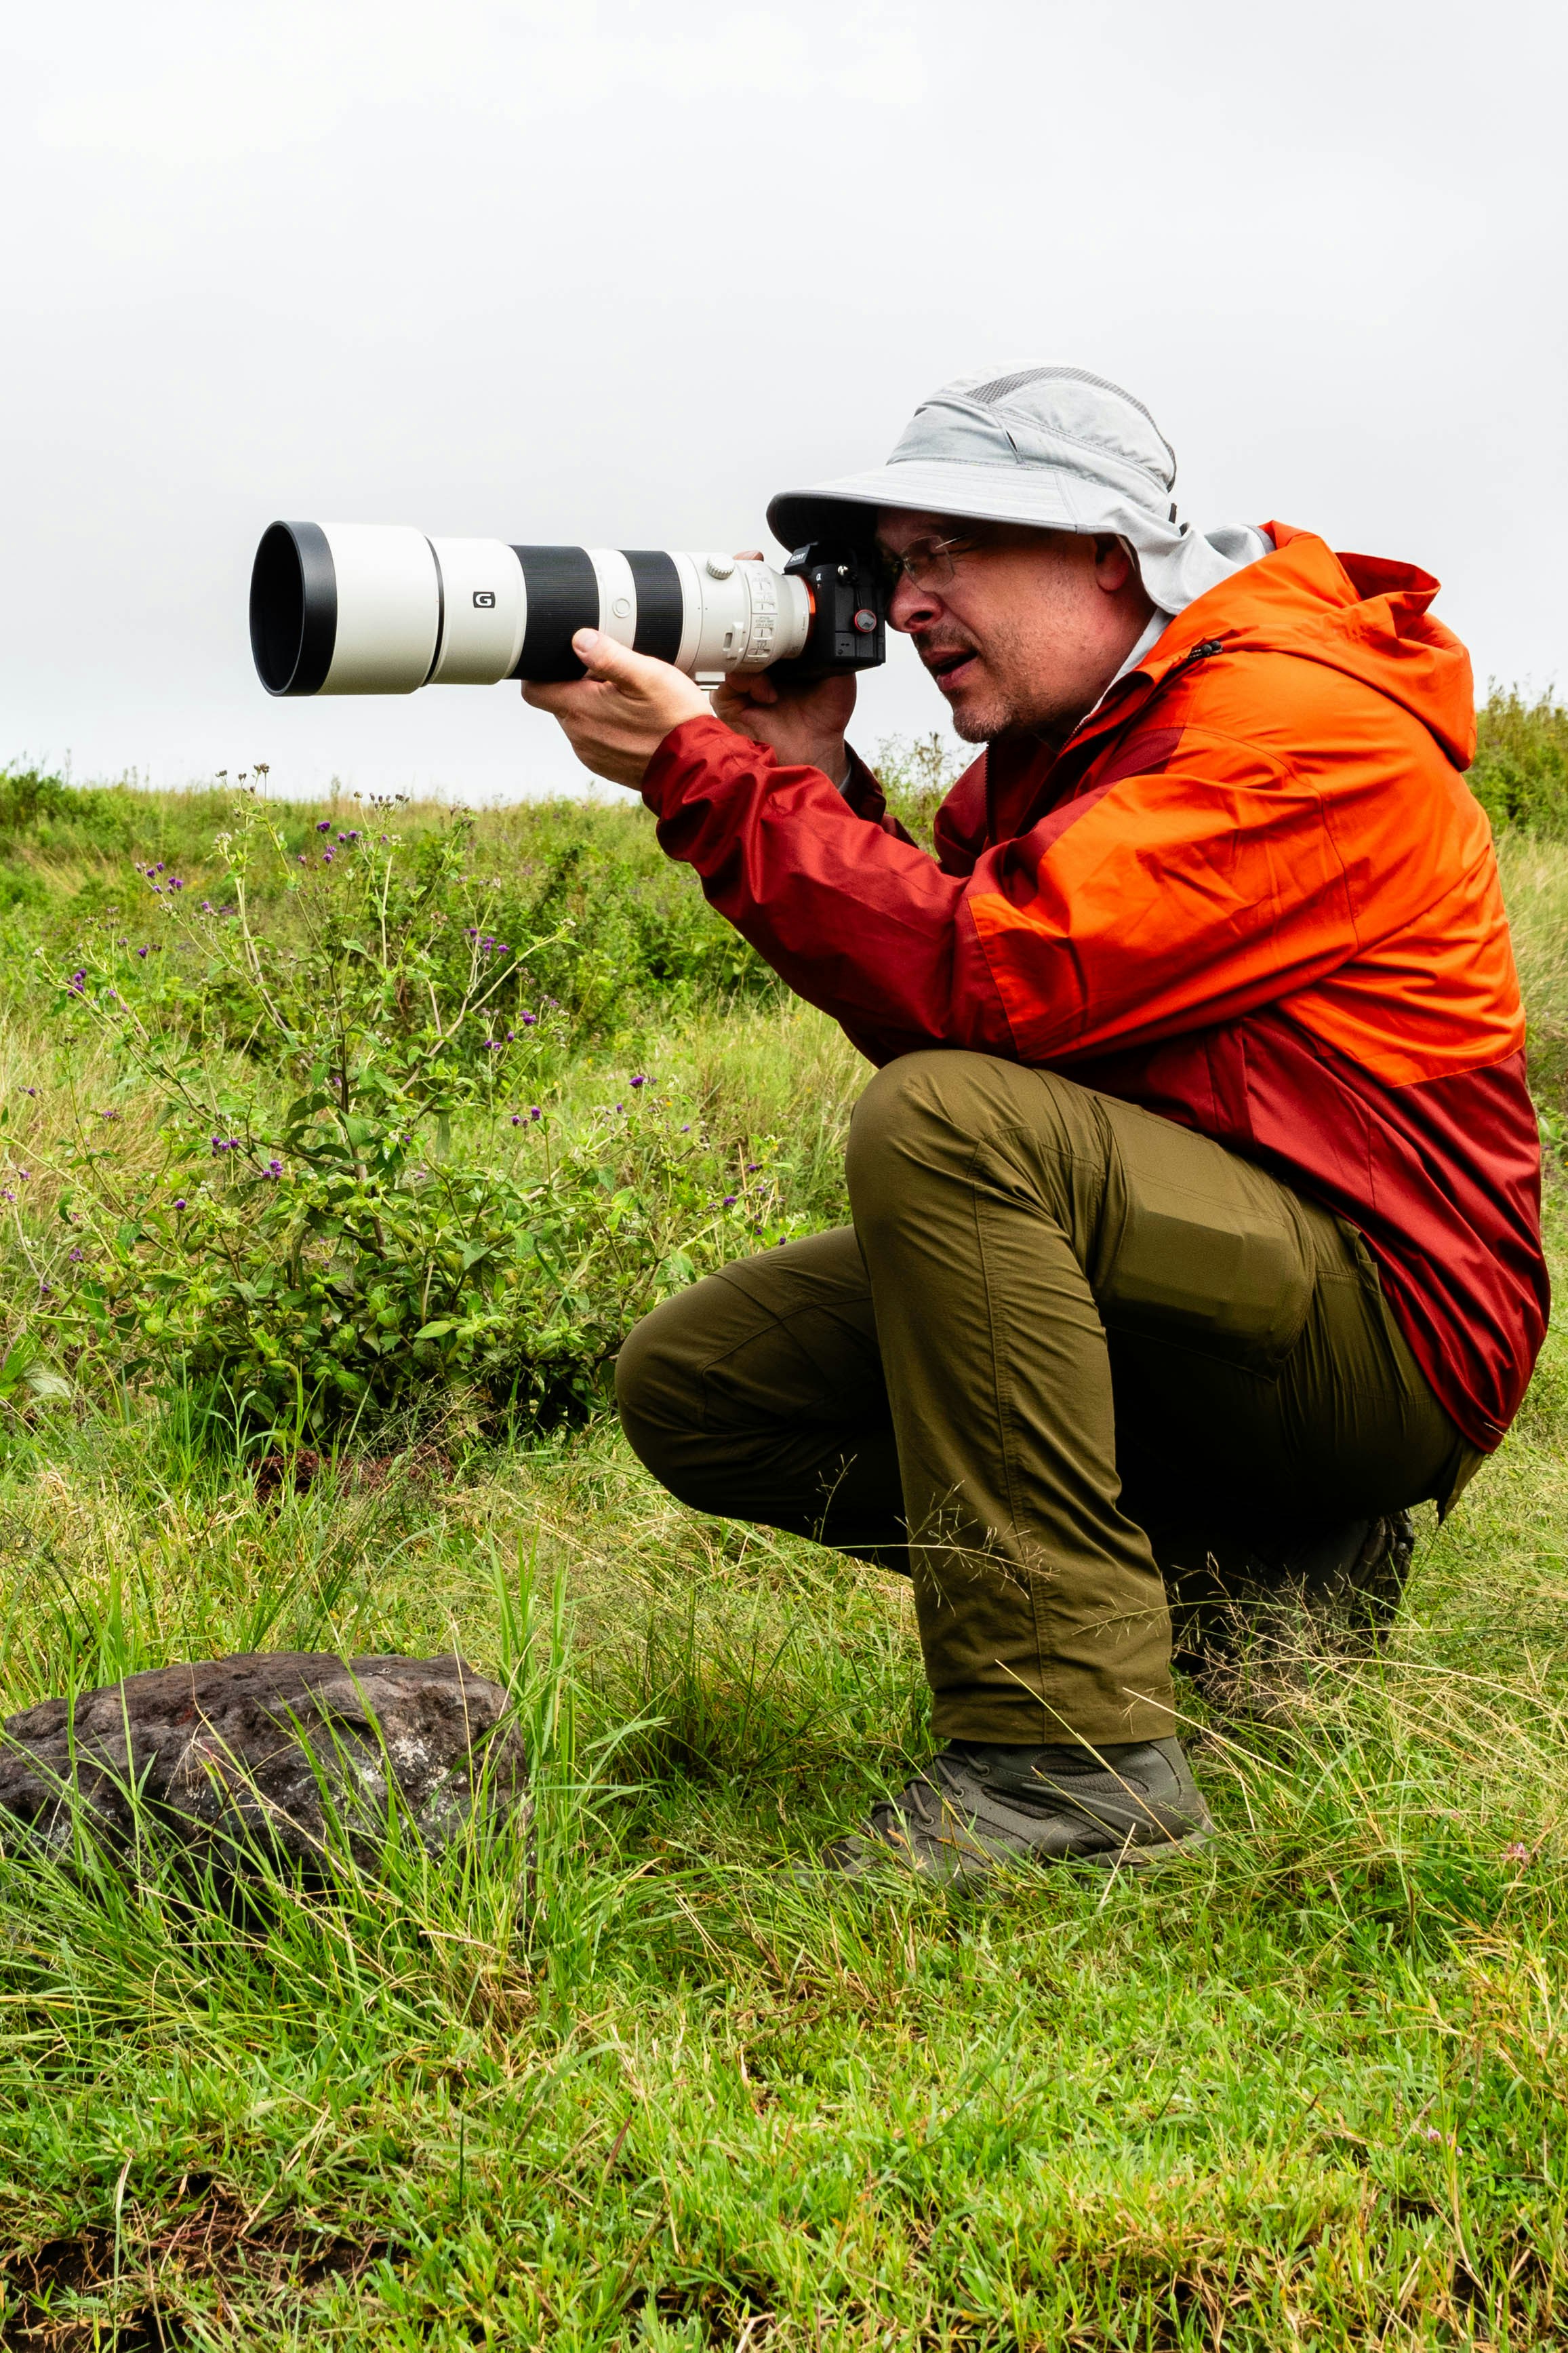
column 616, row 272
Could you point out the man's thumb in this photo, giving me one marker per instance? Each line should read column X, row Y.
column 604, row 657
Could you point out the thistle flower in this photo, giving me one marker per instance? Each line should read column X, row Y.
column 639, row 1081
column 180, row 1201
column 534, row 1111
column 324, row 825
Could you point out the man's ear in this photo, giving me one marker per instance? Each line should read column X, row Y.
column 1114, row 564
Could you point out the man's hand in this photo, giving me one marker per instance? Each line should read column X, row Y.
column 803, row 725
column 616, row 717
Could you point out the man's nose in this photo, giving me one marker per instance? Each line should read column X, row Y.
column 912, row 608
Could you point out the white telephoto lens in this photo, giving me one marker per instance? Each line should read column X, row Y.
column 377, row 609
column 484, row 612
column 389, row 608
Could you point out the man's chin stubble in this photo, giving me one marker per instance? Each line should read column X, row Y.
column 982, row 726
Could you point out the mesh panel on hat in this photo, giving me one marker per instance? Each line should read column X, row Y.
column 986, row 394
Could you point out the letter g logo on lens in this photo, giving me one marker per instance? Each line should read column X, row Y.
column 484, row 598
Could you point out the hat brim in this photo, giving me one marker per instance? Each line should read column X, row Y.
column 1046, row 497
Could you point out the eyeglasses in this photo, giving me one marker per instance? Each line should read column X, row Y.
column 926, row 563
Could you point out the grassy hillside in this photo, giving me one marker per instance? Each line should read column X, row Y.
column 1306, row 2087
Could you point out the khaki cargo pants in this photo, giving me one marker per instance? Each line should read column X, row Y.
column 1056, row 1322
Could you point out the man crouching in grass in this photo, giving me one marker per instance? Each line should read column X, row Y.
column 1198, row 1186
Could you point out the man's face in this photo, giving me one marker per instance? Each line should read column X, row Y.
column 1023, row 631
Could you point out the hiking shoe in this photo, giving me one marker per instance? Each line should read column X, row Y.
column 978, row 1805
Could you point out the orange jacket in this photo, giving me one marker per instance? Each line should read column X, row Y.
column 1251, row 892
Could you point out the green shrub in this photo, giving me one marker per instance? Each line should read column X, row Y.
column 1520, row 771
column 916, row 773
column 326, row 1269
column 313, row 1239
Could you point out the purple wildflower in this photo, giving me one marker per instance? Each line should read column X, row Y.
column 326, row 857
column 511, row 1037
column 46, row 1291
column 686, row 1129
column 325, row 826
column 729, row 1200
column 141, row 952
column 639, row 1081
column 75, row 1256
column 529, row 1019
column 23, row 1174
column 180, row 1201
column 6, row 1193
column 517, row 1119
column 752, row 1167
column 29, row 1091
column 534, row 1111
column 159, row 868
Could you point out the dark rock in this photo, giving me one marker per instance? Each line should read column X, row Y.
column 286, row 1754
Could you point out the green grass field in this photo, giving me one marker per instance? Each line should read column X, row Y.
column 1305, row 2088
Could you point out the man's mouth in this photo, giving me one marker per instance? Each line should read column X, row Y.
column 948, row 668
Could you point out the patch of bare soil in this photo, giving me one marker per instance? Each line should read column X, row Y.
column 71, row 2296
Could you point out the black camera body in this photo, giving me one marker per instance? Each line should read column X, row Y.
column 848, row 617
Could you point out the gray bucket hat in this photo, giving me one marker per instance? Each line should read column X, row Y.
column 1051, row 447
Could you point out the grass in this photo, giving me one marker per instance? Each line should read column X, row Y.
column 1304, row 2088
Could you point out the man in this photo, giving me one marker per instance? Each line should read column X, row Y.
column 1199, row 1183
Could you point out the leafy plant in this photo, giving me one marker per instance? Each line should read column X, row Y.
column 1520, row 771
column 321, row 1246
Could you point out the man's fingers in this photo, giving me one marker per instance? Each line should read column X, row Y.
column 605, row 657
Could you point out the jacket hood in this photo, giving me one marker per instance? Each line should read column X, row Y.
column 1363, row 615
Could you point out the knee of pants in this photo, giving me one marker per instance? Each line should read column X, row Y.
column 920, row 1122
column 658, row 1393
column 891, row 1134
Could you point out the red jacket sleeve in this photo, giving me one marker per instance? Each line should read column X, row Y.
column 854, row 917
column 1166, row 896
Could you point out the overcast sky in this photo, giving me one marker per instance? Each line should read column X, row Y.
column 616, row 273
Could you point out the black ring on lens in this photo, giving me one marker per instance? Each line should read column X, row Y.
column 563, row 591
column 293, row 608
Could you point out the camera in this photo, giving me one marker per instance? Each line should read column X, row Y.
column 377, row 609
